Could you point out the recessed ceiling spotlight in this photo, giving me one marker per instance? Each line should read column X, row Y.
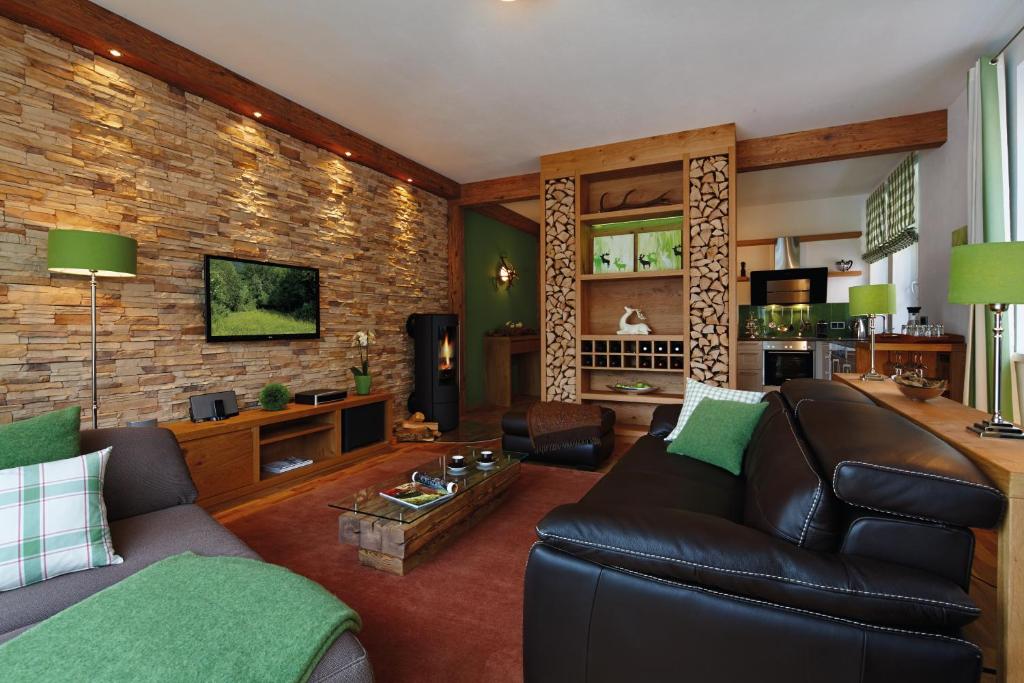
column 115, row 53
column 258, row 114
column 348, row 154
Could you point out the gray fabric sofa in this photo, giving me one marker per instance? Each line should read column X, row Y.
column 150, row 506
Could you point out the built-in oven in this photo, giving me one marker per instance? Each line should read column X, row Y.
column 787, row 360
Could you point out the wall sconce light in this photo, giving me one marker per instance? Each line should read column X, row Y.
column 506, row 273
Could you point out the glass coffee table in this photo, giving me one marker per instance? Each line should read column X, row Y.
column 395, row 538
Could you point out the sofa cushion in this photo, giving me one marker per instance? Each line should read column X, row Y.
column 146, row 472
column 44, row 438
column 141, row 541
column 698, row 391
column 648, row 476
column 797, row 390
column 52, row 520
column 786, row 495
column 878, row 460
column 718, row 433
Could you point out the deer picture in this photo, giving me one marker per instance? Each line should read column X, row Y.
column 644, row 260
column 604, row 259
column 626, row 327
column 677, row 250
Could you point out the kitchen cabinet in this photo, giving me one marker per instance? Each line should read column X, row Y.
column 943, row 357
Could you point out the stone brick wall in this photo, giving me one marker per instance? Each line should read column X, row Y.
column 87, row 143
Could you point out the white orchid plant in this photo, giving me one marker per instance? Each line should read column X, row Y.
column 363, row 339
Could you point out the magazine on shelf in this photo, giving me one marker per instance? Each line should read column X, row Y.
column 421, row 491
column 286, row 465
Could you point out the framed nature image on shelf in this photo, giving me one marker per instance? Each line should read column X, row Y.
column 661, row 250
column 613, row 254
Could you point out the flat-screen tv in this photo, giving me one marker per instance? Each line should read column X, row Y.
column 248, row 300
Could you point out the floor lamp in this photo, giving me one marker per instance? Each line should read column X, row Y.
column 96, row 254
column 872, row 300
column 990, row 273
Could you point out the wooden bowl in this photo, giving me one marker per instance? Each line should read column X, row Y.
column 934, row 389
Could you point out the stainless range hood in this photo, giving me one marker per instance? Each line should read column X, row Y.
column 787, row 253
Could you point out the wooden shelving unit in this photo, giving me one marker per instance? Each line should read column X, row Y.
column 602, row 356
column 225, row 458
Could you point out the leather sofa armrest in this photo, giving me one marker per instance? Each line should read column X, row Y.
column 664, row 420
column 693, row 548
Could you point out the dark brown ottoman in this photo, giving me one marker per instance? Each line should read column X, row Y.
column 516, row 439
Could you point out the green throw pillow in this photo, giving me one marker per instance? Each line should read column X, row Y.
column 45, row 438
column 718, row 433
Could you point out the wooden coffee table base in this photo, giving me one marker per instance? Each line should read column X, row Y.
column 398, row 547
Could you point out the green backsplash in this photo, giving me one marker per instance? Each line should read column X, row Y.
column 786, row 315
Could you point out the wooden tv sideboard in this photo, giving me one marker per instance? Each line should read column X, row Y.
column 225, row 457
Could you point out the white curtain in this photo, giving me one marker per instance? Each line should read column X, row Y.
column 976, row 369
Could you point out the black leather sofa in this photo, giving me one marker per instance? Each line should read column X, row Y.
column 842, row 554
column 515, row 438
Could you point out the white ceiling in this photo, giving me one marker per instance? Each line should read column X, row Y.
column 478, row 89
column 814, row 181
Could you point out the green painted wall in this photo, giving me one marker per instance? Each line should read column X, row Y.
column 487, row 306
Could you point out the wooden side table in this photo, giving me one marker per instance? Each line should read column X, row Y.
column 498, row 352
column 1002, row 633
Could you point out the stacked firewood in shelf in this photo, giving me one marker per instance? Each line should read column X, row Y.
column 709, row 269
column 560, row 288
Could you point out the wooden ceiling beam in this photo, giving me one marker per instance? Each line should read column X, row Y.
column 868, row 138
column 501, row 190
column 90, row 26
column 505, row 215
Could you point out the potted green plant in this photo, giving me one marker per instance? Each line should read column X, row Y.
column 274, row 396
column 362, row 339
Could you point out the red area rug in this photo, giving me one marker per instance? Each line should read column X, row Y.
column 458, row 616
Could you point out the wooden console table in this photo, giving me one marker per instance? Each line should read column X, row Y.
column 498, row 352
column 1000, row 635
column 225, row 457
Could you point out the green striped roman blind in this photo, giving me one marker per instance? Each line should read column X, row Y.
column 892, row 212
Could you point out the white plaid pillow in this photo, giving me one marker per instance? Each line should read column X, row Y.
column 53, row 520
column 697, row 392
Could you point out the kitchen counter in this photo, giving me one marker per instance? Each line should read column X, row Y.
column 848, row 340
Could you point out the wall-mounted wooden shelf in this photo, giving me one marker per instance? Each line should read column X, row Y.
column 770, row 241
column 645, row 213
column 831, row 273
column 638, row 275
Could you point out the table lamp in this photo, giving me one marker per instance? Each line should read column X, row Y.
column 991, row 273
column 96, row 254
column 872, row 300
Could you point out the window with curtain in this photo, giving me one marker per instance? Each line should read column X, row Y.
column 891, row 212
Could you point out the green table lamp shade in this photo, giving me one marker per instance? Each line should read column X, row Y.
column 82, row 252
column 873, row 300
column 988, row 273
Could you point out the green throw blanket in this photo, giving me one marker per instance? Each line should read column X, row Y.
column 186, row 618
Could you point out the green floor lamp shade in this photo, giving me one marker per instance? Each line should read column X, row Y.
column 872, row 300
column 991, row 273
column 96, row 254
column 80, row 252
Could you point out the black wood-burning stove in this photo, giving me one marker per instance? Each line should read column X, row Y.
column 436, row 386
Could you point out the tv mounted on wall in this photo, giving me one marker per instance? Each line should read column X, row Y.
column 249, row 300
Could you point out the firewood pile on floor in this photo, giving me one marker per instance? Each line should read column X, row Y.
column 416, row 428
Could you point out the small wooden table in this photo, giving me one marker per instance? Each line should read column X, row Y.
column 1003, row 461
column 498, row 352
column 396, row 539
